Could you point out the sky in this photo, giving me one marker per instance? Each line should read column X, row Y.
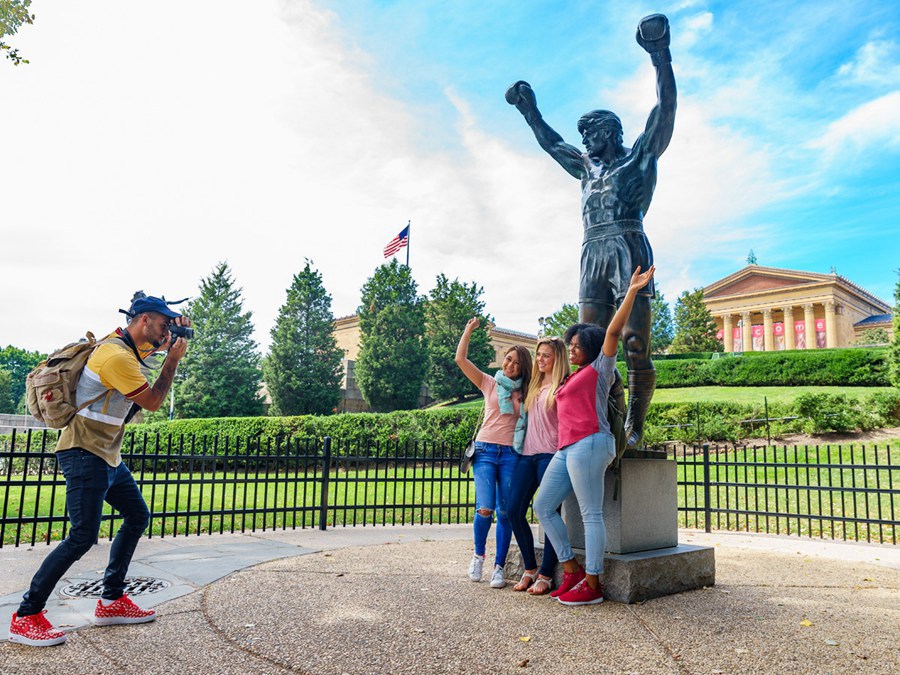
column 145, row 144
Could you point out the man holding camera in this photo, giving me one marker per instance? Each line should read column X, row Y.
column 88, row 453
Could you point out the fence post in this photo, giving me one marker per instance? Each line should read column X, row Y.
column 698, row 422
column 707, row 508
column 768, row 431
column 326, row 477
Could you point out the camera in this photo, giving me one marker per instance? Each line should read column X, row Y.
column 180, row 331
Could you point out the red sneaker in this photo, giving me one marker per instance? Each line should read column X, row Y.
column 582, row 594
column 34, row 630
column 568, row 583
column 122, row 610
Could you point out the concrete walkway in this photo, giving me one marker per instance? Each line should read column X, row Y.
column 396, row 599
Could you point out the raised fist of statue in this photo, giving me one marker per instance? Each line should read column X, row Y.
column 653, row 34
column 521, row 95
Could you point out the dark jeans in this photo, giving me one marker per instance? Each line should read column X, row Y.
column 89, row 482
column 525, row 481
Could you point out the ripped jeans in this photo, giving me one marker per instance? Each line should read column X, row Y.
column 492, row 468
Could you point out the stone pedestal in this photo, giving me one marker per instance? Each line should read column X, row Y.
column 642, row 514
column 643, row 559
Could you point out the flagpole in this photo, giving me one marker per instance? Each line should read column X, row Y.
column 408, row 236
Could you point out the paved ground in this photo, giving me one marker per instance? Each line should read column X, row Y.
column 396, row 599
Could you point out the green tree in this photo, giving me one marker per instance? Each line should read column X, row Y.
column 662, row 331
column 895, row 346
column 393, row 354
column 450, row 306
column 695, row 328
column 220, row 375
column 7, row 401
column 559, row 321
column 304, row 368
column 13, row 14
column 873, row 336
column 18, row 363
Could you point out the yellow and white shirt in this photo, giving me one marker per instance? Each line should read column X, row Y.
column 99, row 428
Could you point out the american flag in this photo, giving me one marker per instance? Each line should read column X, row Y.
column 397, row 242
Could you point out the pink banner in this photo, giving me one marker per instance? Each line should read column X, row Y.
column 720, row 334
column 778, row 330
column 821, row 343
column 800, row 334
column 757, row 331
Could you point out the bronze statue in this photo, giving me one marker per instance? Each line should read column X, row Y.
column 617, row 185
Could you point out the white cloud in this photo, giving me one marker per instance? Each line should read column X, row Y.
column 692, row 28
column 870, row 125
column 875, row 63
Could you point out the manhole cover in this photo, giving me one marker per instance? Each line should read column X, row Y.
column 94, row 588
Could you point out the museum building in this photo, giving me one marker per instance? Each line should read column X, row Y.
column 347, row 337
column 769, row 309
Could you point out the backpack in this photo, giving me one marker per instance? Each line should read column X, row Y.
column 616, row 418
column 50, row 387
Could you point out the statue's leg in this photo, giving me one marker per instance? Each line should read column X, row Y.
column 641, row 375
column 591, row 311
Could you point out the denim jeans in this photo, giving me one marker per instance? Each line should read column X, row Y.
column 492, row 468
column 89, row 482
column 526, row 478
column 581, row 467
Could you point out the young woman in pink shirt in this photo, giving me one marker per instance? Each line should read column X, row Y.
column 497, row 447
column 551, row 368
column 586, row 449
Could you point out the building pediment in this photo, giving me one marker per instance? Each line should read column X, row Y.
column 755, row 279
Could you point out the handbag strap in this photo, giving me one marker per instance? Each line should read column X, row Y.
column 478, row 422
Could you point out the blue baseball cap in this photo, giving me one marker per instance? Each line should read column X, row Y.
column 151, row 304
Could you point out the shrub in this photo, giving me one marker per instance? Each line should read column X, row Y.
column 832, row 367
column 828, row 412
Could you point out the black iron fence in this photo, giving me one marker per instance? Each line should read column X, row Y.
column 205, row 485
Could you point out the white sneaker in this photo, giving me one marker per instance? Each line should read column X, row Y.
column 476, row 567
column 497, row 580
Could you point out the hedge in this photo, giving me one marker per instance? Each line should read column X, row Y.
column 719, row 421
column 831, row 367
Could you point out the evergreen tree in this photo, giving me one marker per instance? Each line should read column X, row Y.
column 393, row 355
column 662, row 331
column 220, row 375
column 7, row 402
column 451, row 305
column 695, row 328
column 304, row 368
column 895, row 346
column 559, row 321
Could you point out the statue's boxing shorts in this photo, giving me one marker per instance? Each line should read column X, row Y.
column 610, row 254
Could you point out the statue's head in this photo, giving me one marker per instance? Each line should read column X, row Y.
column 602, row 120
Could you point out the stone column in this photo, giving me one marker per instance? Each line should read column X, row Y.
column 788, row 327
column 747, row 332
column 830, row 327
column 728, row 333
column 810, row 320
column 768, row 338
